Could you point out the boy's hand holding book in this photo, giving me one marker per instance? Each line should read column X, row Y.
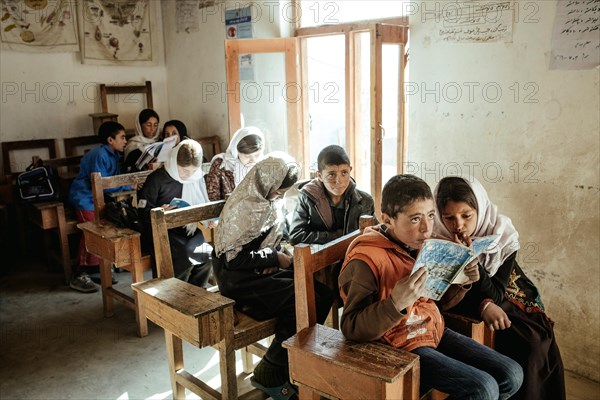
column 409, row 289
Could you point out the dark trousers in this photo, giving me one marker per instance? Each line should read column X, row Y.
column 272, row 296
column 189, row 256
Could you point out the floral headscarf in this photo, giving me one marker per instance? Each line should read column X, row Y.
column 247, row 214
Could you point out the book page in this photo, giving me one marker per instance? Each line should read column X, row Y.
column 443, row 260
column 165, row 150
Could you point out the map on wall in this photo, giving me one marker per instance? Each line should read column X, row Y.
column 117, row 32
column 38, row 25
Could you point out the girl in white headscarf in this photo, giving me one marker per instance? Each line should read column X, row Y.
column 228, row 169
column 181, row 178
column 251, row 268
column 146, row 133
column 504, row 298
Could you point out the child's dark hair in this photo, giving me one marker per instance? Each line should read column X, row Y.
column 180, row 126
column 109, row 129
column 250, row 144
column 291, row 177
column 146, row 114
column 452, row 188
column 401, row 191
column 332, row 155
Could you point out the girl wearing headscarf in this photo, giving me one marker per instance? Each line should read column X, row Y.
column 180, row 178
column 228, row 169
column 504, row 298
column 146, row 133
column 174, row 128
column 251, row 268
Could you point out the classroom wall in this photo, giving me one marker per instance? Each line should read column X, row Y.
column 535, row 148
column 196, row 63
column 49, row 95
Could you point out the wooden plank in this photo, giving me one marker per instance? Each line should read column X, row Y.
column 183, row 297
column 183, row 216
column 232, row 69
column 372, row 359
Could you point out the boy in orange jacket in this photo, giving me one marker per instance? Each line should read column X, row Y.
column 382, row 301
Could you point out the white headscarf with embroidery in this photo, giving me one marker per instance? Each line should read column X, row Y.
column 489, row 222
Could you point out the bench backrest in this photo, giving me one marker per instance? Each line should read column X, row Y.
column 163, row 220
column 309, row 259
column 99, row 183
column 13, row 167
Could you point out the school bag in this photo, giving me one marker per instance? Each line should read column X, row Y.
column 38, row 183
column 123, row 214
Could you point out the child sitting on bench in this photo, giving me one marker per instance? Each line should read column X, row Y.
column 106, row 160
column 251, row 268
column 382, row 301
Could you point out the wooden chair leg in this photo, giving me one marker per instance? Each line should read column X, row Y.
column 175, row 357
column 411, row 383
column 137, row 275
column 247, row 360
column 227, row 357
column 106, row 283
column 63, row 239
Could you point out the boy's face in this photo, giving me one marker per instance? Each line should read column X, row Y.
column 335, row 178
column 413, row 225
column 118, row 142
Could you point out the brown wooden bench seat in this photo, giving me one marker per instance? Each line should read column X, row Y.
column 198, row 316
column 116, row 245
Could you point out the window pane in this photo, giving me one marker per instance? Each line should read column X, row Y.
column 390, row 109
column 327, row 12
column 263, row 97
column 326, row 94
column 362, row 174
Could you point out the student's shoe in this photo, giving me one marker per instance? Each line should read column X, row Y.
column 282, row 392
column 96, row 278
column 83, row 283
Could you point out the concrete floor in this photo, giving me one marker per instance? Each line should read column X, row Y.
column 56, row 344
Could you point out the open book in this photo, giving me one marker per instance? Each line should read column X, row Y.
column 156, row 152
column 445, row 262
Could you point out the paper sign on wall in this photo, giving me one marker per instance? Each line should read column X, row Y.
column 576, row 35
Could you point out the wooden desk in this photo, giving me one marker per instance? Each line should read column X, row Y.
column 52, row 215
column 122, row 247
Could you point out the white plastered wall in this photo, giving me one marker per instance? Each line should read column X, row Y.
column 49, row 95
column 535, row 147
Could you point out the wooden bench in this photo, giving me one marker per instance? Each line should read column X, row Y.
column 346, row 369
column 196, row 315
column 52, row 215
column 116, row 245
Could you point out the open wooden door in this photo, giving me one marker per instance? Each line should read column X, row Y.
column 264, row 90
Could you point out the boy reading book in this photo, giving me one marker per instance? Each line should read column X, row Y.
column 382, row 301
